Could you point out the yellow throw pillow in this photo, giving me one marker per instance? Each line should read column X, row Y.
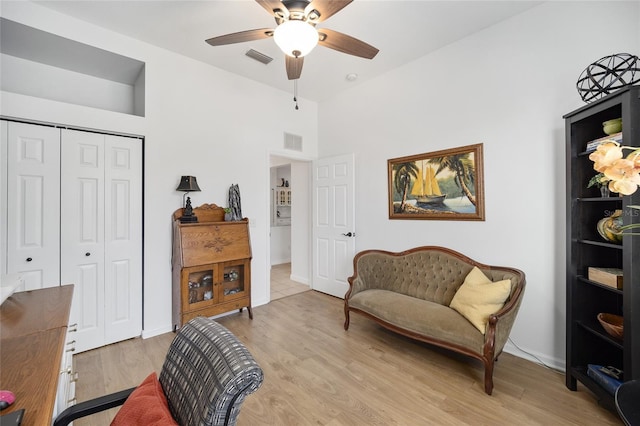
column 478, row 297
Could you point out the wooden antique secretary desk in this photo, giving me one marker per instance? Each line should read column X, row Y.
column 211, row 265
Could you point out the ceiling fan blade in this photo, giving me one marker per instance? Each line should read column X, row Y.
column 346, row 44
column 272, row 5
column 294, row 66
column 327, row 8
column 240, row 37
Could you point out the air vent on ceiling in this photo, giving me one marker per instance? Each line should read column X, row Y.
column 260, row 57
column 293, row 142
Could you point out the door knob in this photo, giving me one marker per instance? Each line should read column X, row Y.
column 350, row 234
column 29, row 259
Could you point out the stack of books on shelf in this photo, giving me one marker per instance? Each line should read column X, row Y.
column 605, row 377
column 611, row 277
column 591, row 146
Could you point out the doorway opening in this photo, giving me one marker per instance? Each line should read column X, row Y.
column 290, row 225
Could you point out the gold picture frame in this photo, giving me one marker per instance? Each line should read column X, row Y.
column 440, row 185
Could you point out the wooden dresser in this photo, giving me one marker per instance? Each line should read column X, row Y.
column 33, row 330
column 211, row 265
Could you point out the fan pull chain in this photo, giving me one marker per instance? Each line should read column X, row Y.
column 295, row 92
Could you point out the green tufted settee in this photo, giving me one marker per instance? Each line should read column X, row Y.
column 410, row 292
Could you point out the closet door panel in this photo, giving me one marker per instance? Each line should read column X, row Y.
column 87, row 279
column 32, row 203
column 72, row 213
column 123, row 238
column 82, row 232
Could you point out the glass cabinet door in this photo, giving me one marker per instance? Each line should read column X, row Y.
column 234, row 279
column 199, row 286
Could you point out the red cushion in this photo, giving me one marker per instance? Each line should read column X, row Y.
column 146, row 405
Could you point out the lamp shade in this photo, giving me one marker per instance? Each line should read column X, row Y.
column 188, row 184
column 296, row 38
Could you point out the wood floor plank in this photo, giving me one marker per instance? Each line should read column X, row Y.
column 316, row 373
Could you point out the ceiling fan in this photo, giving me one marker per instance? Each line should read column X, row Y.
column 296, row 33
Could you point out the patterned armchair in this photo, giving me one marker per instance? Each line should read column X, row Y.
column 206, row 376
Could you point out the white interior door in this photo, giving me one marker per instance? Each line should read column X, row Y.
column 123, row 238
column 82, row 233
column 32, row 203
column 333, row 224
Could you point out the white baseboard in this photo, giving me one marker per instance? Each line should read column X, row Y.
column 256, row 303
column 156, row 332
column 553, row 363
column 299, row 279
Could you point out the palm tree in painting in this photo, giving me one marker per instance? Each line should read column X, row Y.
column 464, row 168
column 404, row 174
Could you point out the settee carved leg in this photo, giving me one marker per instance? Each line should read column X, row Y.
column 346, row 317
column 488, row 376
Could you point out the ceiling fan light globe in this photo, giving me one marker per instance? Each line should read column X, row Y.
column 296, row 36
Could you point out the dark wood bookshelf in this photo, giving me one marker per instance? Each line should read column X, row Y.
column 587, row 342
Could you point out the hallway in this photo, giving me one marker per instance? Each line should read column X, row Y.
column 281, row 285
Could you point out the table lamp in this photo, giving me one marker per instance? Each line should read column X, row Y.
column 188, row 184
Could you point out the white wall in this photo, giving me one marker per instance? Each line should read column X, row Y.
column 200, row 121
column 507, row 87
column 280, row 245
column 301, row 222
column 25, row 77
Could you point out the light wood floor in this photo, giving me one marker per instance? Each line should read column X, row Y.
column 318, row 374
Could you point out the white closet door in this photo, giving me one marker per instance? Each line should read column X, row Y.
column 123, row 238
column 32, row 203
column 82, row 232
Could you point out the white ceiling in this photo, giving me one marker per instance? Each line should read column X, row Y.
column 402, row 30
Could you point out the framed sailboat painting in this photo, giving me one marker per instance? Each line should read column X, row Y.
column 441, row 185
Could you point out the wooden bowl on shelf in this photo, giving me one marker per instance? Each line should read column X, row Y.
column 612, row 324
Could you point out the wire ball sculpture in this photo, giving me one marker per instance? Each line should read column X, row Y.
column 607, row 75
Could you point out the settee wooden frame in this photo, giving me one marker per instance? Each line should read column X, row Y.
column 489, row 353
